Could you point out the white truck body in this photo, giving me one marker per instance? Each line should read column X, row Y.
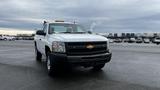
column 94, row 46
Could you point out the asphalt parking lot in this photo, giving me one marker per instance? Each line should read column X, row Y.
column 133, row 67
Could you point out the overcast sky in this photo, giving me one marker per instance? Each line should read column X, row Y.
column 101, row 15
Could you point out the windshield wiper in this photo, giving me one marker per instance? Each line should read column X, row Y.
column 72, row 32
column 65, row 32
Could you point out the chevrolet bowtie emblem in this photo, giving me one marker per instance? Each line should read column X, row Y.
column 89, row 46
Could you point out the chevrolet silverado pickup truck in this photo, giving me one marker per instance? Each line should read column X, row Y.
column 69, row 44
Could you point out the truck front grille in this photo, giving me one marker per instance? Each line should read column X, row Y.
column 80, row 48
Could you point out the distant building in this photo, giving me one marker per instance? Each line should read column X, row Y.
column 123, row 35
column 128, row 35
column 155, row 35
column 115, row 35
column 132, row 35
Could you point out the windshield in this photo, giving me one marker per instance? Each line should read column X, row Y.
column 65, row 28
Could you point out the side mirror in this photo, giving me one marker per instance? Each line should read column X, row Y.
column 40, row 32
column 90, row 32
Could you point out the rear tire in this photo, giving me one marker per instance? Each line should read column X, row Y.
column 38, row 55
column 98, row 67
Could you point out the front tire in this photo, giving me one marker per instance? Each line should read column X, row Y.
column 38, row 55
column 98, row 67
column 50, row 67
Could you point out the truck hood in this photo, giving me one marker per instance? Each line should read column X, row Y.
column 78, row 37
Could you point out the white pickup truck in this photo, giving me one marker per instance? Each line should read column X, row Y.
column 68, row 44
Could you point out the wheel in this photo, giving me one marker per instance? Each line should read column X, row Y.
column 38, row 55
column 98, row 67
column 50, row 67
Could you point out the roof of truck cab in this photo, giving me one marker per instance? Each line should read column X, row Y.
column 52, row 22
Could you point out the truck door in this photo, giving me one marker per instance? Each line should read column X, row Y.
column 43, row 38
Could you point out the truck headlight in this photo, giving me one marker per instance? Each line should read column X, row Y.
column 58, row 47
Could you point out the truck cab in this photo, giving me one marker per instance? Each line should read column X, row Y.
column 66, row 44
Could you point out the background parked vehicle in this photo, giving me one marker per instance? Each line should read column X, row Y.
column 156, row 40
column 111, row 40
column 5, row 37
column 125, row 40
column 131, row 40
column 139, row 40
column 118, row 40
column 146, row 40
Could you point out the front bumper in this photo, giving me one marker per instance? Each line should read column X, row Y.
column 87, row 60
